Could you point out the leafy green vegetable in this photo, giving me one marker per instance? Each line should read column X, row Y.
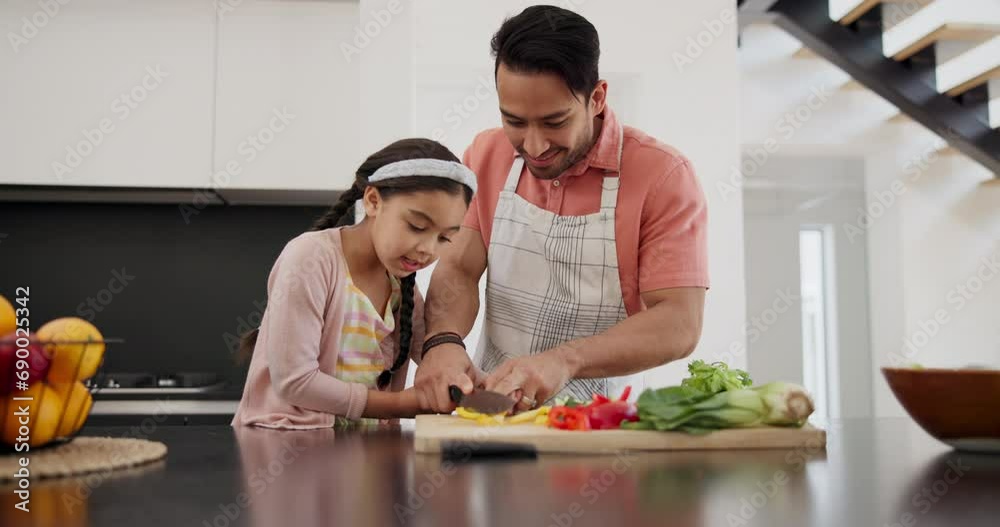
column 690, row 410
column 714, row 378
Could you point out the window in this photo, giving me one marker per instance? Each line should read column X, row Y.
column 816, row 286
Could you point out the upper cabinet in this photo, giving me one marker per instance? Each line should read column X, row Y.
column 287, row 112
column 107, row 93
column 227, row 94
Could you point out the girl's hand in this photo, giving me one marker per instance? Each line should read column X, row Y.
column 444, row 366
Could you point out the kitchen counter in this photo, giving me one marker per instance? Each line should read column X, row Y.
column 874, row 473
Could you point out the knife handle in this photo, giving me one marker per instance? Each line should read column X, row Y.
column 455, row 393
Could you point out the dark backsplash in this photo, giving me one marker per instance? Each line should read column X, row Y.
column 182, row 292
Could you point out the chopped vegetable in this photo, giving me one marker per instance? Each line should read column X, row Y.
column 691, row 410
column 500, row 419
column 611, row 414
column 714, row 378
column 601, row 414
column 566, row 418
column 529, row 416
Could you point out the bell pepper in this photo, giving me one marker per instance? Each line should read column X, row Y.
column 565, row 418
column 529, row 416
column 610, row 415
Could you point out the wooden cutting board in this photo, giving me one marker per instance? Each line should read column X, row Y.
column 435, row 433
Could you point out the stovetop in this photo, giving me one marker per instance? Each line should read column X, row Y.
column 130, row 385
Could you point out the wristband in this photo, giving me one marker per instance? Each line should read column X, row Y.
column 437, row 339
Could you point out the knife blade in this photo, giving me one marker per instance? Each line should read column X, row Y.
column 482, row 401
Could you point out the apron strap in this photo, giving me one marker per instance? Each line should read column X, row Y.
column 609, row 194
column 609, row 187
column 514, row 175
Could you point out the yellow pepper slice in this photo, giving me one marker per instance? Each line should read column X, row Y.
column 536, row 416
column 529, row 416
column 466, row 413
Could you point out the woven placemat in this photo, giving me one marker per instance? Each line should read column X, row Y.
column 84, row 455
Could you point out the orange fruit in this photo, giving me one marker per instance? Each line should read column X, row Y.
column 71, row 362
column 44, row 412
column 8, row 320
column 77, row 407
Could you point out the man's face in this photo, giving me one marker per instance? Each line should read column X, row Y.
column 547, row 125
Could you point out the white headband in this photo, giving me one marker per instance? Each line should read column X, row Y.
column 426, row 167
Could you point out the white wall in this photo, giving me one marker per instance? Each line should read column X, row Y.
column 786, row 194
column 934, row 219
column 694, row 108
column 81, row 83
column 228, row 69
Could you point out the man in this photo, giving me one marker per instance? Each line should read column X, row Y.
column 593, row 235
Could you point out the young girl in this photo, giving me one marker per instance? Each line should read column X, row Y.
column 343, row 316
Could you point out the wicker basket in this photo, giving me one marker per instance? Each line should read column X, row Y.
column 63, row 389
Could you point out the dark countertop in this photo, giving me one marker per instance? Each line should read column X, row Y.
column 874, row 473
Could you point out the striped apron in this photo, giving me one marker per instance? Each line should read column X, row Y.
column 551, row 279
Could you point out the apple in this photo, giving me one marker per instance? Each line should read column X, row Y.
column 37, row 362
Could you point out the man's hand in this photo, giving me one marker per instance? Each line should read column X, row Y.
column 537, row 377
column 444, row 365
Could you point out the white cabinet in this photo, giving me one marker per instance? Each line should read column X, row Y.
column 287, row 108
column 108, row 93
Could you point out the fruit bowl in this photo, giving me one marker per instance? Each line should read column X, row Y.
column 56, row 400
column 960, row 407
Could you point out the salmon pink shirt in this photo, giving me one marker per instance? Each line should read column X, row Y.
column 660, row 221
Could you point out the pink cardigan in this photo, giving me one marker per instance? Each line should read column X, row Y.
column 290, row 383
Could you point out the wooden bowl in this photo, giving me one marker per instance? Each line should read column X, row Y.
column 958, row 407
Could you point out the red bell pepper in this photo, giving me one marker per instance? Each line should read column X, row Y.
column 566, row 418
column 601, row 414
column 610, row 415
column 605, row 413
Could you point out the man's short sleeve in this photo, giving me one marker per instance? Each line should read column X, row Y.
column 472, row 215
column 673, row 245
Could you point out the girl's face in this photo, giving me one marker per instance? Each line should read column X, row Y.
column 409, row 229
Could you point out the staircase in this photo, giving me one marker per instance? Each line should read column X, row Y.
column 939, row 66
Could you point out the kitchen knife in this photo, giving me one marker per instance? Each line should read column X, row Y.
column 482, row 401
